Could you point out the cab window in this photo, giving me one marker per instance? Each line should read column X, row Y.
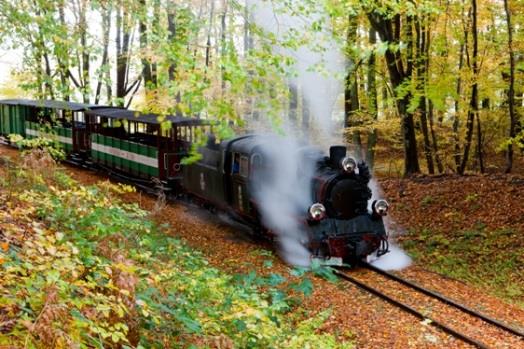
column 235, row 166
column 244, row 166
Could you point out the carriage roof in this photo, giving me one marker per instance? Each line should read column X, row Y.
column 51, row 104
column 147, row 118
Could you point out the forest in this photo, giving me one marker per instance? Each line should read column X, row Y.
column 109, row 237
column 436, row 83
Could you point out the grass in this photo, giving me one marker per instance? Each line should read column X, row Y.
column 486, row 258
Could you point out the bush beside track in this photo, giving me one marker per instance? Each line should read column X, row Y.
column 81, row 268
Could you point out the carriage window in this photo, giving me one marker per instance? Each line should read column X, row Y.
column 67, row 114
column 165, row 129
column 55, row 115
column 244, row 166
column 79, row 117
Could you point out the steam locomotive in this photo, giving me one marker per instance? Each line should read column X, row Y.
column 331, row 217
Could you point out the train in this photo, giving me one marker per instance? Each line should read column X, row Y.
column 338, row 222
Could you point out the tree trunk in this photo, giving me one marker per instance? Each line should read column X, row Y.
column 511, row 90
column 44, row 74
column 171, row 28
column 434, row 138
column 208, row 42
column 435, row 149
column 372, row 101
column 293, row 103
column 106, row 28
column 305, row 113
column 142, row 28
column 351, row 100
column 473, row 104
column 480, row 155
column 122, row 52
column 421, row 66
column 456, row 119
column 62, row 57
column 223, row 44
column 389, row 31
column 84, row 49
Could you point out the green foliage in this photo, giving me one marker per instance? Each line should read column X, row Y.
column 48, row 144
column 474, row 256
column 79, row 267
column 427, row 200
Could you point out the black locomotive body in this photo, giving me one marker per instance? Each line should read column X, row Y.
column 343, row 230
column 331, row 208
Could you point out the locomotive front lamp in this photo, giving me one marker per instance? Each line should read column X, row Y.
column 381, row 207
column 317, row 211
column 349, row 164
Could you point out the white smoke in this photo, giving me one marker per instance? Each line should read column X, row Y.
column 285, row 192
column 396, row 259
column 282, row 191
column 318, row 64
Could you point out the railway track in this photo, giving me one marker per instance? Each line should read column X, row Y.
column 435, row 296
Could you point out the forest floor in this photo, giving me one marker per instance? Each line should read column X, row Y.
column 359, row 316
column 470, row 228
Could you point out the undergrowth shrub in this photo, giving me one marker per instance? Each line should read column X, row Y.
column 47, row 144
column 82, row 269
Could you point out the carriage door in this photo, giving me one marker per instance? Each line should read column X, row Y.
column 172, row 164
column 81, row 142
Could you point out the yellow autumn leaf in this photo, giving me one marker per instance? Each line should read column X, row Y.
column 51, row 250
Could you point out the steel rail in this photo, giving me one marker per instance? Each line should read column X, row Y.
column 446, row 300
column 412, row 311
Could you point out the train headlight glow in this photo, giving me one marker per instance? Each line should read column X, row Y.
column 317, row 211
column 381, row 207
column 349, row 164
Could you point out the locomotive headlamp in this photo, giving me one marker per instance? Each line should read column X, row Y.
column 349, row 164
column 381, row 207
column 317, row 211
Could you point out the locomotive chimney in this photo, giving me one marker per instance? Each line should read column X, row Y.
column 336, row 154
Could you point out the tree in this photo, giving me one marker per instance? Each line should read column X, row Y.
column 511, row 91
column 473, row 103
column 389, row 27
column 351, row 100
column 372, row 99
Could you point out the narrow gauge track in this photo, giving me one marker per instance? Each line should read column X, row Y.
column 419, row 314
